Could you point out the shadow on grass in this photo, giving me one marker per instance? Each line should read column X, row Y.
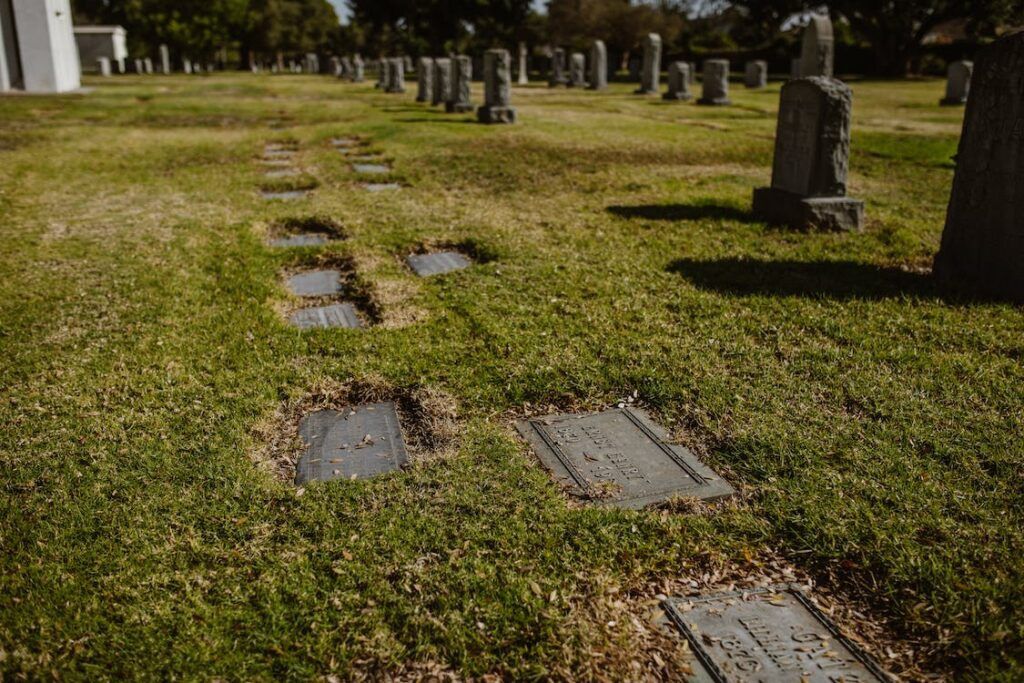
column 683, row 212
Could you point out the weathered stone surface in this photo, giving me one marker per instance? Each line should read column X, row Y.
column 524, row 67
column 274, row 174
column 715, row 86
column 651, row 70
column 438, row 263
column 756, row 75
column 165, row 59
column 103, row 66
column 620, row 458
column 794, row 68
column 462, row 86
column 598, row 66
column 558, row 68
column 358, row 69
column 395, row 75
column 497, row 89
column 323, row 317
column 147, row 65
column 983, row 241
column 958, row 83
column 304, row 239
column 774, row 634
column 678, row 82
column 356, row 443
column 424, row 79
column 442, row 80
column 315, row 283
column 817, row 53
column 812, row 151
column 382, row 187
column 371, row 168
column 284, row 195
column 577, row 70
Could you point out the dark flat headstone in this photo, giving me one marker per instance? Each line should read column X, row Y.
column 773, row 635
column 307, row 239
column 382, row 187
column 371, row 168
column 619, row 457
column 285, row 195
column 315, row 283
column 356, row 443
column 335, row 315
column 425, row 265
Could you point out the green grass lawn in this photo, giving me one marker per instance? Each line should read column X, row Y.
column 872, row 421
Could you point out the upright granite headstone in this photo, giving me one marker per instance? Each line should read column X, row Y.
column 817, row 55
column 165, row 60
column 958, row 83
column 139, row 68
column 558, row 76
column 598, row 66
column 652, row 65
column 335, row 66
column 103, row 66
column 383, row 67
column 186, row 65
column 983, row 241
column 497, row 88
column 147, row 65
column 756, row 75
column 396, row 75
column 424, row 79
column 358, row 69
column 715, row 83
column 678, row 82
column 407, row 64
column 462, row 81
column 524, row 77
column 442, row 80
column 812, row 152
column 577, row 70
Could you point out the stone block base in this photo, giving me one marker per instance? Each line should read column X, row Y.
column 715, row 102
column 677, row 96
column 487, row 114
column 808, row 213
column 457, row 107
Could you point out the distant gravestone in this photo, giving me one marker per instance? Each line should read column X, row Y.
column 438, row 263
column 358, row 69
column 139, row 68
column 165, row 60
column 462, row 86
column 678, row 82
column 442, row 80
column 817, row 54
column 315, row 283
column 652, row 65
column 756, row 75
column 497, row 89
column 103, row 66
column 577, row 70
column 335, row 66
column 598, row 66
column 396, row 76
column 812, row 152
column 524, row 77
column 768, row 634
column 407, row 63
column 715, row 85
column 424, row 79
column 347, row 69
column 323, row 317
column 381, row 187
column 619, row 457
column 383, row 75
column 958, row 83
column 355, row 443
column 558, row 75
column 147, row 65
column 983, row 240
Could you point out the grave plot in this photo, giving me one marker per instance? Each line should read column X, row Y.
column 355, row 443
column 619, row 458
column 437, row 263
column 312, row 231
column 770, row 634
column 284, row 195
column 335, row 298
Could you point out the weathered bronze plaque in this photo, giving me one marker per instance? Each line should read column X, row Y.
column 775, row 635
column 335, row 315
column 315, row 283
column 436, row 264
column 355, row 443
column 619, row 457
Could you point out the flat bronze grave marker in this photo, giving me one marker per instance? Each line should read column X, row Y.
column 315, row 283
column 620, row 458
column 285, row 195
column 382, row 187
column 426, row 265
column 356, row 443
column 306, row 239
column 324, row 317
column 773, row 635
column 371, row 168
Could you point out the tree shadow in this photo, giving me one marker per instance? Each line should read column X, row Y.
column 684, row 212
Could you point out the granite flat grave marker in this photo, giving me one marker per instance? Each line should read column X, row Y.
column 558, row 68
column 651, row 69
column 812, row 152
column 424, row 79
column 775, row 635
column 497, row 89
column 958, row 83
column 323, row 317
column 426, row 265
column 983, row 240
column 315, row 283
column 284, row 195
column 577, row 70
column 355, row 443
column 280, row 173
column 619, row 457
column 303, row 239
column 817, row 51
column 678, row 82
column 598, row 66
column 381, row 187
column 371, row 168
column 756, row 75
column 462, row 83
column 715, row 83
column 442, row 80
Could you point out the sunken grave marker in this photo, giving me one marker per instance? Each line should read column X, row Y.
column 355, row 443
column 437, row 263
column 315, row 283
column 323, row 317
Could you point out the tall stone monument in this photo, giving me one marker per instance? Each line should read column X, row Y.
column 958, row 83
column 715, row 85
column 165, row 60
column 983, row 241
column 462, row 82
column 678, row 82
column 442, row 80
column 424, row 79
column 558, row 76
column 756, row 75
column 651, row 69
column 497, row 88
column 598, row 66
column 524, row 77
column 396, row 75
column 812, row 152
column 577, row 70
column 817, row 55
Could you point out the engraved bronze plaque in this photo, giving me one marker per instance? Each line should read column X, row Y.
column 322, row 317
column 772, row 634
column 425, row 265
column 619, row 457
column 355, row 443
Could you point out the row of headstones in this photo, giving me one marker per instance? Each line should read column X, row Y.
column 107, row 67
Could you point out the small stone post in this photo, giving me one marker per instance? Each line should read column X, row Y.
column 103, row 66
column 358, row 69
column 165, row 60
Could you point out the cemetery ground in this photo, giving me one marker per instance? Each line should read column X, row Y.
column 871, row 421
